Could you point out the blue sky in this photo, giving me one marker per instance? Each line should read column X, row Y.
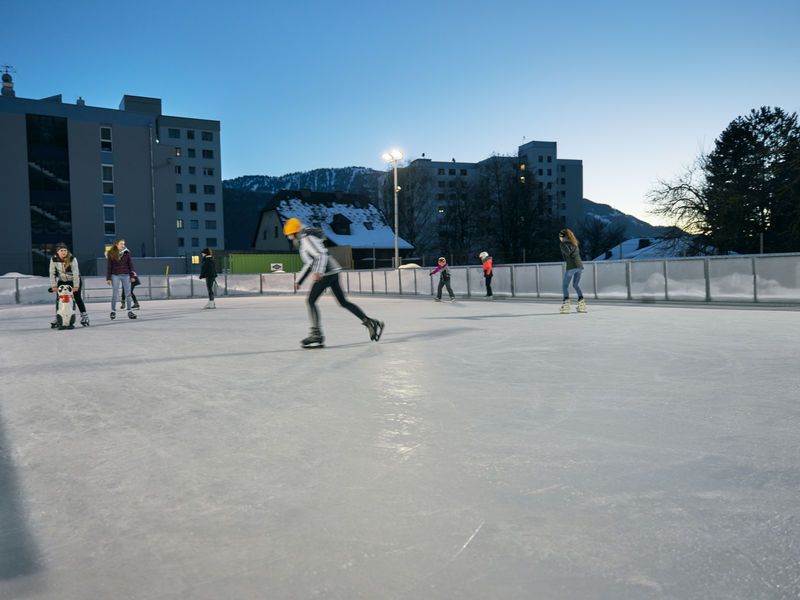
column 634, row 89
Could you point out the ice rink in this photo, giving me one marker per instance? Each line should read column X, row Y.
column 480, row 450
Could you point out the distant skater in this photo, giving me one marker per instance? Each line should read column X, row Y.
column 324, row 271
column 568, row 244
column 444, row 279
column 64, row 269
column 487, row 273
column 134, row 282
column 208, row 271
column 119, row 270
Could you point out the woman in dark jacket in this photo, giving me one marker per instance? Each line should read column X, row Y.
column 119, row 270
column 208, row 271
column 569, row 251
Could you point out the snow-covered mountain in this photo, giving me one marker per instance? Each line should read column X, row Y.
column 634, row 228
column 352, row 180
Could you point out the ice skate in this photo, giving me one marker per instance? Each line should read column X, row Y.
column 113, row 315
column 452, row 299
column 135, row 306
column 131, row 314
column 315, row 340
column 375, row 328
column 581, row 306
column 84, row 319
column 122, row 305
column 564, row 307
column 210, row 304
column 437, row 299
column 54, row 324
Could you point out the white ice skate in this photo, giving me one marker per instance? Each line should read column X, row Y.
column 210, row 304
column 564, row 307
column 581, row 306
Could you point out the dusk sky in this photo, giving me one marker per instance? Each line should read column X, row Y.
column 637, row 90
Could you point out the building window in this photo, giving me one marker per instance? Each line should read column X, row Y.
column 195, row 224
column 451, row 172
column 177, row 169
column 440, row 196
column 549, row 185
column 190, row 134
column 178, row 188
column 208, row 171
column 190, row 152
column 563, row 206
column 563, row 194
column 175, row 134
column 541, row 158
column 274, row 233
column 549, row 159
column 109, row 220
column 208, row 189
column 208, row 154
column 211, row 242
column 211, row 224
column 179, row 206
column 563, row 168
column 108, row 179
column 180, row 224
column 441, row 183
column 451, row 183
column 181, row 243
column 192, row 189
column 210, row 206
column 105, row 139
column 192, row 205
column 207, row 136
column 195, row 242
column 463, row 171
column 563, row 181
column 177, row 150
column 549, row 171
column 441, row 210
column 264, row 234
column 192, row 170
column 441, row 172
column 541, row 171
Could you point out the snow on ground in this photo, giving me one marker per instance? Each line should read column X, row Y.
column 479, row 450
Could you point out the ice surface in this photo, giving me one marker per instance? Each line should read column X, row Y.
column 480, row 450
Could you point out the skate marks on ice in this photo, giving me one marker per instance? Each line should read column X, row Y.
column 18, row 554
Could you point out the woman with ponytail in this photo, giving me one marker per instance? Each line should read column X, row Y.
column 568, row 244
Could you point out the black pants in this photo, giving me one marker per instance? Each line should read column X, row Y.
column 134, row 283
column 76, row 294
column 210, row 288
column 442, row 283
column 488, row 279
column 329, row 281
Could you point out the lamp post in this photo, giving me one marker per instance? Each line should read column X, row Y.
column 394, row 156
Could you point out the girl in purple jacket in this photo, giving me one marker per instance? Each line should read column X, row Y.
column 119, row 269
column 444, row 279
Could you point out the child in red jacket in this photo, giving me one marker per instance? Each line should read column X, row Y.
column 487, row 273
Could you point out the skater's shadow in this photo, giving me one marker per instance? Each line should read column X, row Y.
column 492, row 316
column 18, row 553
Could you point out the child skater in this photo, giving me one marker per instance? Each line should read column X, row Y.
column 324, row 271
column 444, row 279
column 64, row 269
column 134, row 282
column 487, row 273
column 569, row 251
column 208, row 271
column 119, row 269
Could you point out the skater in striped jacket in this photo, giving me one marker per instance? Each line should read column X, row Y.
column 444, row 279
column 568, row 244
column 324, row 270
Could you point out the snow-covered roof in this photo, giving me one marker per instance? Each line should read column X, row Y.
column 644, row 248
column 322, row 214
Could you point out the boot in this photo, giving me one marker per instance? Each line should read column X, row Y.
column 564, row 307
column 374, row 327
column 85, row 319
column 131, row 314
column 581, row 306
column 315, row 340
column 210, row 304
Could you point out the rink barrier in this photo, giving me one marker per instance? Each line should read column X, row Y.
column 763, row 279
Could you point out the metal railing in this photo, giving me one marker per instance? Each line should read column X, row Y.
column 763, row 278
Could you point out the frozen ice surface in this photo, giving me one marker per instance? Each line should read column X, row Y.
column 480, row 450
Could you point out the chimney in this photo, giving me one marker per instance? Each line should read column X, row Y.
column 80, row 101
column 8, row 83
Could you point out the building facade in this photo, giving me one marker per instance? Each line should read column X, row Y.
column 85, row 175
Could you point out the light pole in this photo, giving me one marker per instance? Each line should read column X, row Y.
column 394, row 156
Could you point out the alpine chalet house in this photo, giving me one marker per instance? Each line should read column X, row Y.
column 347, row 220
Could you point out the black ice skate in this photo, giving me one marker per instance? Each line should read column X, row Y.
column 85, row 320
column 315, row 340
column 131, row 314
column 113, row 315
column 375, row 328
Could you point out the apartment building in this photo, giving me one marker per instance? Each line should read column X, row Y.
column 85, row 175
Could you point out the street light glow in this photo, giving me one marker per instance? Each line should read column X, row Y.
column 393, row 157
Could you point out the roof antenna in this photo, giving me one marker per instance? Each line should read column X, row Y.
column 8, row 81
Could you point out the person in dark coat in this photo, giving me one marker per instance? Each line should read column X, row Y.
column 119, row 270
column 568, row 245
column 208, row 271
